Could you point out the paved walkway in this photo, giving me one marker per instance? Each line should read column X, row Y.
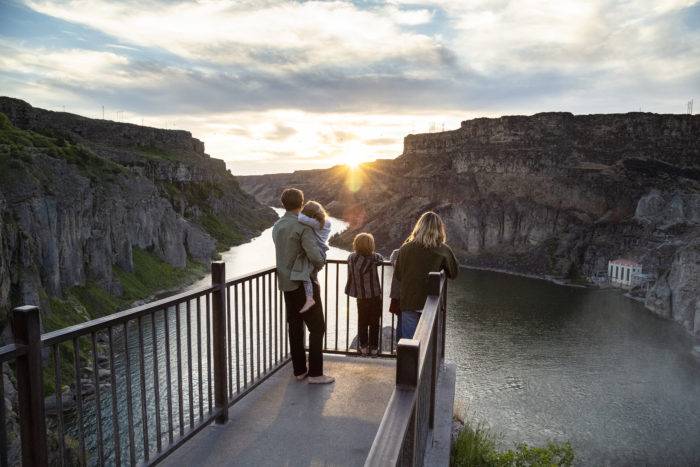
column 286, row 423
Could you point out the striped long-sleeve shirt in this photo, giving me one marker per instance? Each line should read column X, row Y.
column 363, row 278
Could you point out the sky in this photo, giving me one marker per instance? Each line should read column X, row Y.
column 275, row 86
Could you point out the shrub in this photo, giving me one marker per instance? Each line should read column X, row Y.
column 475, row 446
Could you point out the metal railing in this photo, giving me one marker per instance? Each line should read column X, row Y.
column 406, row 426
column 131, row 387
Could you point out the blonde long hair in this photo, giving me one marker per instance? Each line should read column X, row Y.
column 429, row 231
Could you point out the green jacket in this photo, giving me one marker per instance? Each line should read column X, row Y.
column 292, row 239
column 413, row 264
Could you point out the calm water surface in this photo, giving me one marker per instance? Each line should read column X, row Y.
column 539, row 361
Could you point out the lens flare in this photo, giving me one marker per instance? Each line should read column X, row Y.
column 354, row 178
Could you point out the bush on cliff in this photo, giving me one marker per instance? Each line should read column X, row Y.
column 475, row 446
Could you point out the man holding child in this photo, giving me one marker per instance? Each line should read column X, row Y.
column 294, row 239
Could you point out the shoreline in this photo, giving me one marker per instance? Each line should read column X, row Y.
column 529, row 276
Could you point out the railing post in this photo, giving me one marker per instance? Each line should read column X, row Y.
column 218, row 302
column 26, row 328
column 407, row 356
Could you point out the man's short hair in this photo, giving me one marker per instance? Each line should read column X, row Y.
column 292, row 198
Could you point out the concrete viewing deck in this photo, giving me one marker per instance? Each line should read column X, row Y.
column 291, row 423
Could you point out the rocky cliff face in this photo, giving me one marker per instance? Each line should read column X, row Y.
column 78, row 195
column 552, row 194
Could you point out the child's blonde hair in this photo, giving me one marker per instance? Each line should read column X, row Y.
column 315, row 210
column 363, row 243
column 429, row 231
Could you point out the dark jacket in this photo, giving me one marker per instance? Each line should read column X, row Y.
column 412, row 267
column 363, row 279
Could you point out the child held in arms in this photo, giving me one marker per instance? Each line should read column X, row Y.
column 315, row 217
column 363, row 284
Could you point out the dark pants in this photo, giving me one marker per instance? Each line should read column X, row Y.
column 369, row 311
column 313, row 318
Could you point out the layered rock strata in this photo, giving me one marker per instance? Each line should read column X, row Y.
column 553, row 194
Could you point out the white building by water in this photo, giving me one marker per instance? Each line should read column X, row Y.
column 623, row 272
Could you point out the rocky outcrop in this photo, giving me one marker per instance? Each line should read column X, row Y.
column 552, row 194
column 78, row 195
column 675, row 293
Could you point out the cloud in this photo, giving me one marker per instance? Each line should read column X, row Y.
column 280, row 133
column 279, row 35
column 277, row 85
column 380, row 141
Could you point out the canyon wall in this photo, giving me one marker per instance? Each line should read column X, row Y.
column 553, row 194
column 77, row 196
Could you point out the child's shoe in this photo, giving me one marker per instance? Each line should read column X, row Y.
column 309, row 303
column 363, row 351
column 374, row 352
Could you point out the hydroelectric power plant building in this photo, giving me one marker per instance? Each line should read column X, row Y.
column 623, row 272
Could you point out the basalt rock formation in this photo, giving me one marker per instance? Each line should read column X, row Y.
column 77, row 196
column 554, row 194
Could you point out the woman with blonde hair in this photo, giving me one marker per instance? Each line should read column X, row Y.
column 423, row 252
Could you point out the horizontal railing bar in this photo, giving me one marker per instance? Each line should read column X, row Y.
column 252, row 275
column 356, row 354
column 119, row 317
column 344, row 261
column 425, row 326
column 69, row 332
column 12, row 351
column 388, row 442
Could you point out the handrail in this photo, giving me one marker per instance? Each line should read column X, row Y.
column 251, row 275
column 12, row 351
column 344, row 261
column 197, row 353
column 402, row 427
column 119, row 317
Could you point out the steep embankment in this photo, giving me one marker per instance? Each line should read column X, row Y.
column 97, row 213
column 552, row 194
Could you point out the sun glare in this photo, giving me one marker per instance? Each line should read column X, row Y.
column 351, row 160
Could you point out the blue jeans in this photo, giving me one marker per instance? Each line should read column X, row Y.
column 409, row 322
column 398, row 327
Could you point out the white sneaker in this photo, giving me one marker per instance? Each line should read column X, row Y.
column 301, row 376
column 309, row 303
column 323, row 379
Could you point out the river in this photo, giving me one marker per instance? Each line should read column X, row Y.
column 538, row 361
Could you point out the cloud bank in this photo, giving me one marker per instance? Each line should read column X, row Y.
column 268, row 84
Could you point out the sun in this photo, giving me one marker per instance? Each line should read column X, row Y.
column 352, row 161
